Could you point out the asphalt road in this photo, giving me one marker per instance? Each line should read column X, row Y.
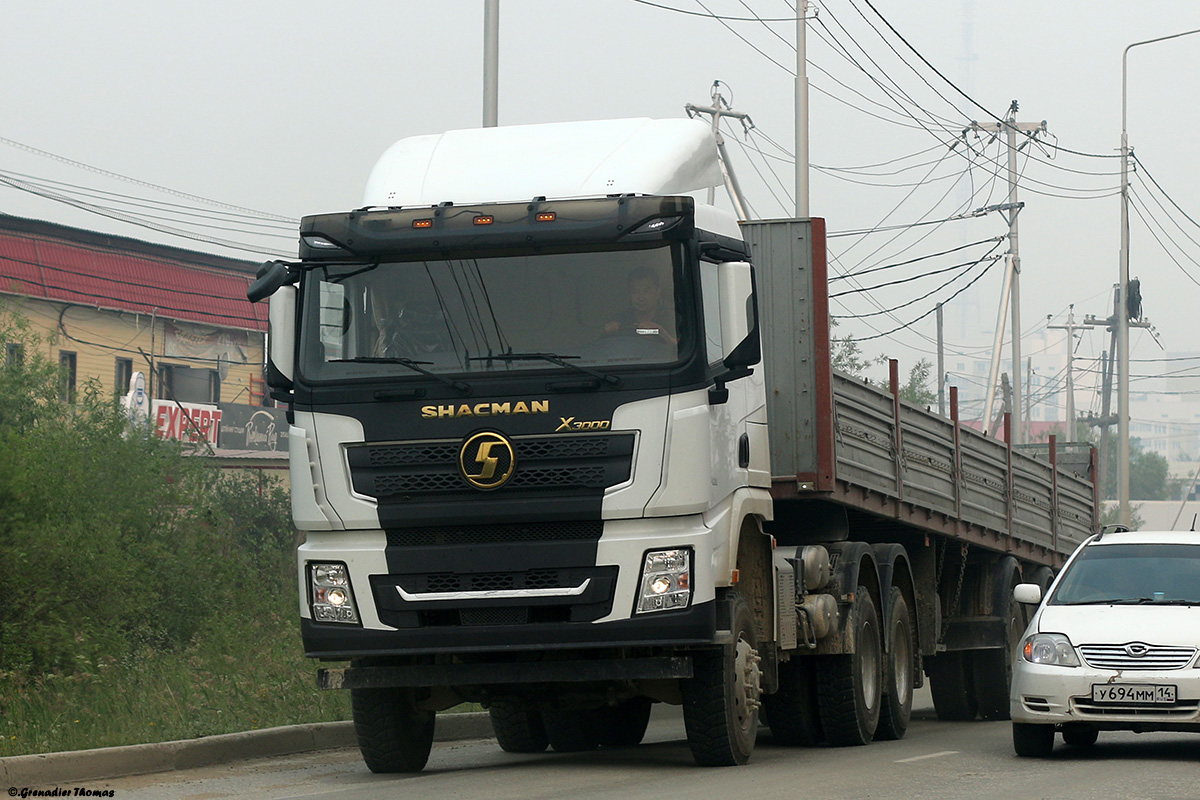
column 942, row 760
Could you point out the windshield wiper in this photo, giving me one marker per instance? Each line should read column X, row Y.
column 415, row 366
column 1139, row 601
column 553, row 358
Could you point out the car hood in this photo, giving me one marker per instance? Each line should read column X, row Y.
column 1165, row 625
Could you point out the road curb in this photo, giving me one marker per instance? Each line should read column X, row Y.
column 111, row 762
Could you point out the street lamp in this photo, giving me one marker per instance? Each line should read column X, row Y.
column 1122, row 301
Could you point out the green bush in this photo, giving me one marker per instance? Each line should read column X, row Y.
column 114, row 540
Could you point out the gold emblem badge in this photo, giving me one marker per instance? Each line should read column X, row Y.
column 486, row 460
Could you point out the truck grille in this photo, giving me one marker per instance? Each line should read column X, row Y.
column 434, row 536
column 1156, row 657
column 573, row 463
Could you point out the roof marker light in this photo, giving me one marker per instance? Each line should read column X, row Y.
column 422, row 223
column 484, row 219
column 546, row 216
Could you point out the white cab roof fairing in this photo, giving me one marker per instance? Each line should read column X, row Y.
column 553, row 160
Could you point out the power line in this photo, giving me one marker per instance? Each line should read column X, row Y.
column 915, row 260
column 127, row 218
column 156, row 187
column 912, row 322
column 710, row 15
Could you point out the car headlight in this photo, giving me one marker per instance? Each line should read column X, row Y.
column 666, row 580
column 1054, row 649
column 330, row 597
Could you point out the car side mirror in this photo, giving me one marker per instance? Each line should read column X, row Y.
column 1029, row 594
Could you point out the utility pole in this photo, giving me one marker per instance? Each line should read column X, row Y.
column 491, row 63
column 1012, row 281
column 1029, row 396
column 718, row 109
column 1070, row 329
column 941, row 364
column 1110, row 361
column 1123, row 266
column 801, row 111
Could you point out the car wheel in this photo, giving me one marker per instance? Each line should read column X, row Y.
column 1035, row 741
column 1080, row 735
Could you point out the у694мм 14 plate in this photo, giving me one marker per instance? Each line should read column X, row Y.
column 1148, row 693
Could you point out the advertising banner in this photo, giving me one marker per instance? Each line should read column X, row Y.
column 187, row 422
column 246, row 427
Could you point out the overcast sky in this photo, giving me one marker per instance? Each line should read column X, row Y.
column 283, row 107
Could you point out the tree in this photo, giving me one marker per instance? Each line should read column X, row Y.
column 916, row 389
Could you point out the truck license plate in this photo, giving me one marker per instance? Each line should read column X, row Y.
column 1147, row 693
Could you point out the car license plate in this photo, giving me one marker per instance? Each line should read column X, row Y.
column 1147, row 693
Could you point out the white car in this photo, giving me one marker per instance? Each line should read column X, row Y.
column 1114, row 646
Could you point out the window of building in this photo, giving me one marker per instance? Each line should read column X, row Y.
column 124, row 373
column 14, row 353
column 67, row 371
column 188, row 384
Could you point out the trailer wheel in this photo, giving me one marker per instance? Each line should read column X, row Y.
column 721, row 699
column 518, row 727
column 393, row 734
column 624, row 725
column 951, row 685
column 850, row 687
column 572, row 730
column 792, row 712
column 896, row 709
column 1035, row 741
column 993, row 667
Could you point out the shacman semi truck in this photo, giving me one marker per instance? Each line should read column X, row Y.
column 566, row 441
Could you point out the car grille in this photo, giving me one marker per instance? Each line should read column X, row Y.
column 1084, row 707
column 1156, row 657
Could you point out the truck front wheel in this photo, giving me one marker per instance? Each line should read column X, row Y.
column 850, row 687
column 393, row 734
column 624, row 725
column 721, row 699
column 518, row 727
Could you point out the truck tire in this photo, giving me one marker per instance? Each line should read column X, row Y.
column 624, row 725
column 572, row 730
column 792, row 713
column 1033, row 741
column 850, row 687
column 721, row 699
column 896, row 709
column 393, row 734
column 950, row 683
column 518, row 727
column 993, row 667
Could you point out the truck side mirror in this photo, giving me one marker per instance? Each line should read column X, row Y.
column 281, row 337
column 739, row 314
column 739, row 326
column 271, row 275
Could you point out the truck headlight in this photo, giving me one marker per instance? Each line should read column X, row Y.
column 1054, row 649
column 666, row 580
column 330, row 597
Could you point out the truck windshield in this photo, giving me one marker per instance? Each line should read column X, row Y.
column 1133, row 574
column 594, row 309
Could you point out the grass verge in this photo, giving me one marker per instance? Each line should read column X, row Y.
column 237, row 674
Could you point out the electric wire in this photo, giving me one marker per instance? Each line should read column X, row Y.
column 135, row 181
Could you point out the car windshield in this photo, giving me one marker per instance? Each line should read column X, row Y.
column 1130, row 573
column 486, row 315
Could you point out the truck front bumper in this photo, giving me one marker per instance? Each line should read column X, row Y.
column 694, row 626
